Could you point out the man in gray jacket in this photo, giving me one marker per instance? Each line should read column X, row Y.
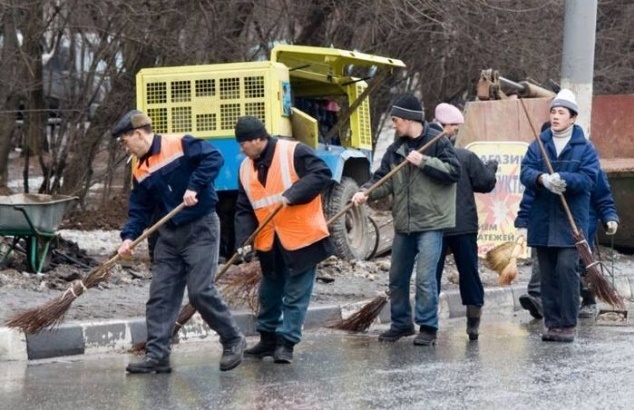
column 424, row 205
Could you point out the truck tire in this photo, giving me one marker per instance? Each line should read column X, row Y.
column 350, row 232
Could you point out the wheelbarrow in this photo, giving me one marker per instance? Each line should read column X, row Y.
column 33, row 218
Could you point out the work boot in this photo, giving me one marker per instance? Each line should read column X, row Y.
column 549, row 334
column 473, row 321
column 232, row 354
column 565, row 334
column 533, row 304
column 283, row 352
column 265, row 347
column 150, row 365
column 426, row 336
column 588, row 311
column 392, row 335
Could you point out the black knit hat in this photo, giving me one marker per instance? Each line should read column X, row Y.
column 409, row 108
column 249, row 128
column 129, row 121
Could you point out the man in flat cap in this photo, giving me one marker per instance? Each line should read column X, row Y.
column 290, row 246
column 170, row 170
column 424, row 205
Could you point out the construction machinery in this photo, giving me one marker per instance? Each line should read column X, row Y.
column 499, row 117
column 318, row 96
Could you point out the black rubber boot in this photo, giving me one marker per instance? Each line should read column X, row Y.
column 232, row 354
column 284, row 351
column 426, row 336
column 473, row 321
column 265, row 347
column 150, row 365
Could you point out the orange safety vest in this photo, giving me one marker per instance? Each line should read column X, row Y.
column 297, row 226
column 171, row 150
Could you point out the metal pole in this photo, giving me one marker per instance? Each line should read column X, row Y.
column 577, row 65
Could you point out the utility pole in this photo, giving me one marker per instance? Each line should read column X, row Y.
column 577, row 65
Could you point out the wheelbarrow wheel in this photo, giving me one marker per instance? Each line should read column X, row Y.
column 37, row 253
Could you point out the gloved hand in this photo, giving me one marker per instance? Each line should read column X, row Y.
column 554, row 183
column 245, row 253
column 521, row 232
column 611, row 227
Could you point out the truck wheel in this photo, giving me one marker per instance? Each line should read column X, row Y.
column 350, row 232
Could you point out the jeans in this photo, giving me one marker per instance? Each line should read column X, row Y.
column 560, row 286
column 283, row 302
column 422, row 249
column 186, row 255
column 465, row 254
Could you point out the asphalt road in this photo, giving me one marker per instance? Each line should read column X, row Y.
column 509, row 367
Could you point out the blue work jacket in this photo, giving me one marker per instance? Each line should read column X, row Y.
column 578, row 165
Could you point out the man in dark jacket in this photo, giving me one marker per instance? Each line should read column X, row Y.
column 603, row 209
column 576, row 167
column 171, row 170
column 462, row 240
column 289, row 247
column 424, row 194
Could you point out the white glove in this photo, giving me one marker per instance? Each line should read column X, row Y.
column 554, row 183
column 245, row 253
column 611, row 227
column 521, row 232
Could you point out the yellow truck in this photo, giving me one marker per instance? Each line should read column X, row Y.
column 312, row 94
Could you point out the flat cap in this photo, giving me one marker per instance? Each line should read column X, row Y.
column 130, row 121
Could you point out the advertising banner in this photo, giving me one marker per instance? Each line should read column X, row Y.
column 497, row 210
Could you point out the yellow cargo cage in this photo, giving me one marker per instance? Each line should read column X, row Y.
column 207, row 100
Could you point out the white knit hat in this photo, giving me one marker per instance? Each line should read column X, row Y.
column 566, row 98
column 447, row 114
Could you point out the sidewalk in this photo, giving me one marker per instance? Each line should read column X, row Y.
column 91, row 337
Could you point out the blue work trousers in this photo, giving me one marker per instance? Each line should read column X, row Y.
column 283, row 302
column 559, row 286
column 422, row 250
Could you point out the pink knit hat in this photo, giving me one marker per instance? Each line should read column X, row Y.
column 448, row 114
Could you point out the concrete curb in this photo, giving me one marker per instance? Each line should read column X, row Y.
column 90, row 337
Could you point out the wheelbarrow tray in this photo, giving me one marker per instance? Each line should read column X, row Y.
column 29, row 212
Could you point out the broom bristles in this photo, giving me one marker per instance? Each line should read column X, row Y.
column 498, row 258
column 48, row 315
column 364, row 317
column 596, row 281
column 242, row 284
column 509, row 273
column 604, row 289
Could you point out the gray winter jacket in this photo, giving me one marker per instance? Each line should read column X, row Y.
column 425, row 196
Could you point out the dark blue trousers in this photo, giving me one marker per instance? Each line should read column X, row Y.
column 560, row 286
column 465, row 253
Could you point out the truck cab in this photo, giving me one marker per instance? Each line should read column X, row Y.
column 315, row 95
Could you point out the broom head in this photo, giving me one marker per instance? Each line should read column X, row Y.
column 499, row 257
column 509, row 273
column 241, row 284
column 595, row 279
column 364, row 317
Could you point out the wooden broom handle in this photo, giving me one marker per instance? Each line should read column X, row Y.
column 385, row 178
column 573, row 225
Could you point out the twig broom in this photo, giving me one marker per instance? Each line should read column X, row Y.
column 364, row 317
column 52, row 312
column 503, row 260
column 597, row 282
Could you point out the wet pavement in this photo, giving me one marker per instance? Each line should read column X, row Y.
column 509, row 367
